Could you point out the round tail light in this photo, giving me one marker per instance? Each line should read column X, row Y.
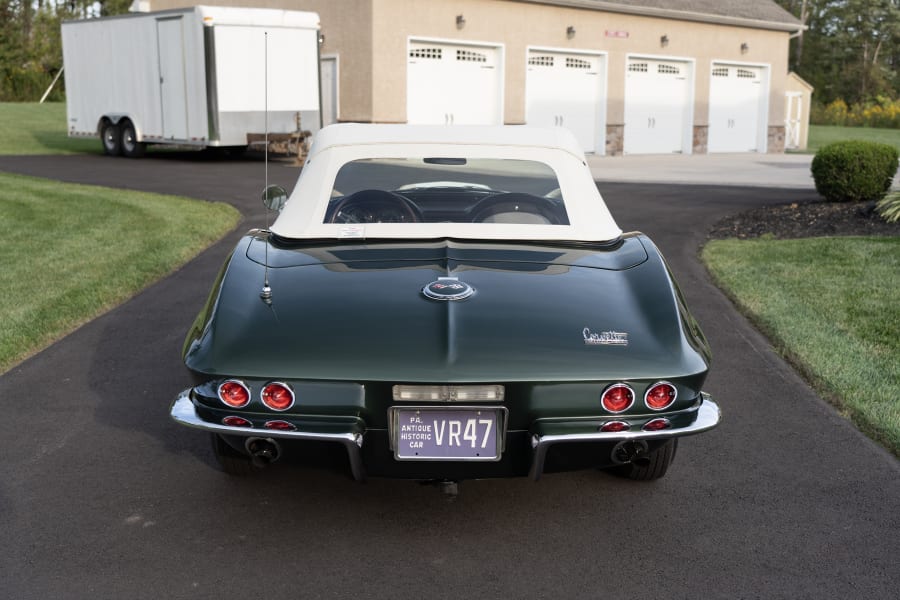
column 234, row 393
column 278, row 396
column 617, row 397
column 660, row 395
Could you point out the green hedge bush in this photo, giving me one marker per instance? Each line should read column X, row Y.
column 854, row 170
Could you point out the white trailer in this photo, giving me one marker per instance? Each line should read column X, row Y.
column 193, row 76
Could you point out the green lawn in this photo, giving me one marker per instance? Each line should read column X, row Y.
column 821, row 135
column 830, row 306
column 32, row 128
column 71, row 252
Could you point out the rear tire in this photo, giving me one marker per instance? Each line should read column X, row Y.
column 651, row 466
column 131, row 148
column 231, row 461
column 110, row 138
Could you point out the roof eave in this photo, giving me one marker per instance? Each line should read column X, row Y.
column 683, row 15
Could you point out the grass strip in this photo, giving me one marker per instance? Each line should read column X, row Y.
column 822, row 135
column 830, row 306
column 32, row 128
column 71, row 252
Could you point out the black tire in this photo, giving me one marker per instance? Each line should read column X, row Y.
column 651, row 466
column 131, row 148
column 231, row 461
column 110, row 138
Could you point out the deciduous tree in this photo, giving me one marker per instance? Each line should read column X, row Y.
column 851, row 49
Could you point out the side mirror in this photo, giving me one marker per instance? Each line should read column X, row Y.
column 274, row 197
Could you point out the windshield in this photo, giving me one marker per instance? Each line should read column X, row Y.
column 447, row 189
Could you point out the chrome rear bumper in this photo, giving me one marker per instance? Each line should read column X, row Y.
column 184, row 412
column 708, row 416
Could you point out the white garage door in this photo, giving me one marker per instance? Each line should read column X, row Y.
column 453, row 84
column 563, row 89
column 657, row 106
column 735, row 108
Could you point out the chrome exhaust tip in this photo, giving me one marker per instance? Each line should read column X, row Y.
column 263, row 451
column 631, row 451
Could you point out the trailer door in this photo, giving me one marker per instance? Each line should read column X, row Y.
column 172, row 89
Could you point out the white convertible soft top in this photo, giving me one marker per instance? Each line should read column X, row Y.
column 336, row 145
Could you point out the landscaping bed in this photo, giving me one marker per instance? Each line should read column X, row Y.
column 807, row 219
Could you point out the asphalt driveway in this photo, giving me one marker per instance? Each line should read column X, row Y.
column 102, row 496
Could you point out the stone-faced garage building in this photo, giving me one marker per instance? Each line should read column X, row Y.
column 628, row 76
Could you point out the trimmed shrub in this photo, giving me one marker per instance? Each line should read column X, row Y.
column 889, row 207
column 854, row 170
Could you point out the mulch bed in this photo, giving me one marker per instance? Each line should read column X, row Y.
column 807, row 219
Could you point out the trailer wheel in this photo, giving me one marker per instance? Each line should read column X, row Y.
column 130, row 146
column 109, row 136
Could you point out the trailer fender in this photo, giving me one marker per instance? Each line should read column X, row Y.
column 113, row 118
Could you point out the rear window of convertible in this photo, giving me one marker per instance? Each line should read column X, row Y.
column 446, row 189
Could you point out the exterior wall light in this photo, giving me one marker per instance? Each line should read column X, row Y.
column 664, row 41
column 745, row 47
column 570, row 32
column 460, row 21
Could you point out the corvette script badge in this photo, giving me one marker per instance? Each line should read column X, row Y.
column 448, row 288
column 605, row 338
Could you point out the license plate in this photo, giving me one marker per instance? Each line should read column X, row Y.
column 428, row 433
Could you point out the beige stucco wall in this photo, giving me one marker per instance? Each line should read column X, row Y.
column 347, row 30
column 370, row 39
column 519, row 25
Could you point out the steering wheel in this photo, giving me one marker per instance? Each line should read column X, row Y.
column 375, row 206
column 518, row 207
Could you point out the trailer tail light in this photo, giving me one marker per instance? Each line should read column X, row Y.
column 278, row 396
column 617, row 398
column 660, row 395
column 234, row 393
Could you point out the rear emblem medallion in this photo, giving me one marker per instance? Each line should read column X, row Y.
column 448, row 288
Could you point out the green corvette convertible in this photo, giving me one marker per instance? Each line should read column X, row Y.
column 446, row 303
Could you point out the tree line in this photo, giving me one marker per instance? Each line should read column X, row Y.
column 849, row 52
column 30, row 46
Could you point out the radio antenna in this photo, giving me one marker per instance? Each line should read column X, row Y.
column 266, row 293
